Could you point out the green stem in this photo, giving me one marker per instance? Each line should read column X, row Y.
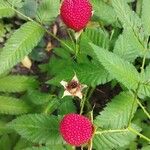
column 124, row 130
column 88, row 97
column 76, row 47
column 91, row 92
column 143, row 63
column 139, row 103
column 83, row 102
column 136, row 93
column 133, row 104
column 139, row 7
column 144, row 110
column 111, row 131
column 71, row 38
column 50, row 33
column 77, row 35
column 139, row 134
column 55, row 37
column 82, row 105
column 88, row 105
column 74, row 42
column 18, row 12
column 46, row 111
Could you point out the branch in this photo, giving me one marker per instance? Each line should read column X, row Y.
column 139, row 134
column 144, row 110
column 50, row 33
column 111, row 131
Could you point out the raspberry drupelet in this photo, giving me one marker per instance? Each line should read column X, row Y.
column 76, row 13
column 76, row 129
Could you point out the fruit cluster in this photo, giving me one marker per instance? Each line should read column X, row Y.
column 76, row 13
column 76, row 129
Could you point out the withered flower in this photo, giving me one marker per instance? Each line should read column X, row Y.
column 73, row 87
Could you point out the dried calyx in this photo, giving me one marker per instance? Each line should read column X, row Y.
column 73, row 87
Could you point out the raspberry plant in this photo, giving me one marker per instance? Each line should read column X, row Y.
column 111, row 49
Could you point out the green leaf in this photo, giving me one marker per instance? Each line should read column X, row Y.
column 145, row 84
column 5, row 9
column 67, row 106
column 37, row 148
column 146, row 147
column 13, row 106
column 120, row 69
column 125, row 48
column 120, row 109
column 22, row 144
column 17, row 83
column 19, row 45
column 56, row 65
column 61, row 52
column 37, row 128
column 104, row 12
column 5, row 142
column 97, row 36
column 129, row 1
column 145, row 15
column 48, row 10
column 128, row 17
column 92, row 74
column 51, row 147
column 130, row 20
column 51, row 106
column 15, row 3
column 3, row 128
column 29, row 8
column 111, row 139
column 38, row 98
column 88, row 73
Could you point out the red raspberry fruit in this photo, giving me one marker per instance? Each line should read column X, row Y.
column 76, row 129
column 76, row 13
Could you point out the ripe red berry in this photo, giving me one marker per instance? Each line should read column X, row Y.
column 76, row 13
column 76, row 129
